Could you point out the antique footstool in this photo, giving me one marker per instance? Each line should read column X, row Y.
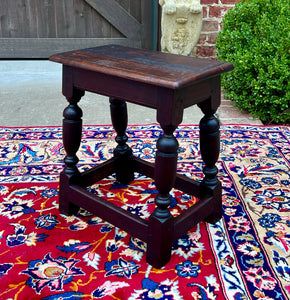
column 165, row 82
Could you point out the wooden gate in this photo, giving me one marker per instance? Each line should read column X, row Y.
column 39, row 28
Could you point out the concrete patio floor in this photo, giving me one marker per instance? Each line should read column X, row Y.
column 30, row 95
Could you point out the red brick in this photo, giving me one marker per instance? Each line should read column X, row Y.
column 209, row 25
column 229, row 1
column 202, row 39
column 217, row 11
column 204, row 11
column 212, row 37
column 209, row 1
column 205, row 51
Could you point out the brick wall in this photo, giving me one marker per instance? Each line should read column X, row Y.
column 213, row 13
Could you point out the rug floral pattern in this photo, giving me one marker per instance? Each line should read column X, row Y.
column 46, row 255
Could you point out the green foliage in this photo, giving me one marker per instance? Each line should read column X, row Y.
column 256, row 39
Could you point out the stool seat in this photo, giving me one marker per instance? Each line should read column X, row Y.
column 168, row 83
column 167, row 70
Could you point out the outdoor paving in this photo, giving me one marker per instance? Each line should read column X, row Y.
column 228, row 114
column 30, row 95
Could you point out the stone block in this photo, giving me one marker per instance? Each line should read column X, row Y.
column 181, row 23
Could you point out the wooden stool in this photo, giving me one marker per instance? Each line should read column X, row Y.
column 169, row 83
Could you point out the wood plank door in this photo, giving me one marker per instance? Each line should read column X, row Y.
column 39, row 28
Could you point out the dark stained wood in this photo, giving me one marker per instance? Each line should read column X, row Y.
column 164, row 70
column 72, row 131
column 183, row 183
column 161, row 222
column 193, row 215
column 96, row 173
column 108, row 211
column 168, row 83
column 72, row 123
column 123, row 154
column 61, row 25
column 159, row 240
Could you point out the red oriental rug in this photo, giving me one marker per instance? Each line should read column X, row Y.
column 46, row 255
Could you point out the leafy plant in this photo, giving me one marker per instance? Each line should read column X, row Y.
column 256, row 39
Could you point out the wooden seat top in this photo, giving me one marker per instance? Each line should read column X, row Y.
column 155, row 68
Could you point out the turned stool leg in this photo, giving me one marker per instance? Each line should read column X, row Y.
column 122, row 153
column 160, row 231
column 210, row 148
column 72, row 132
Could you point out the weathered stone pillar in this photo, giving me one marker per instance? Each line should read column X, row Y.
column 181, row 22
